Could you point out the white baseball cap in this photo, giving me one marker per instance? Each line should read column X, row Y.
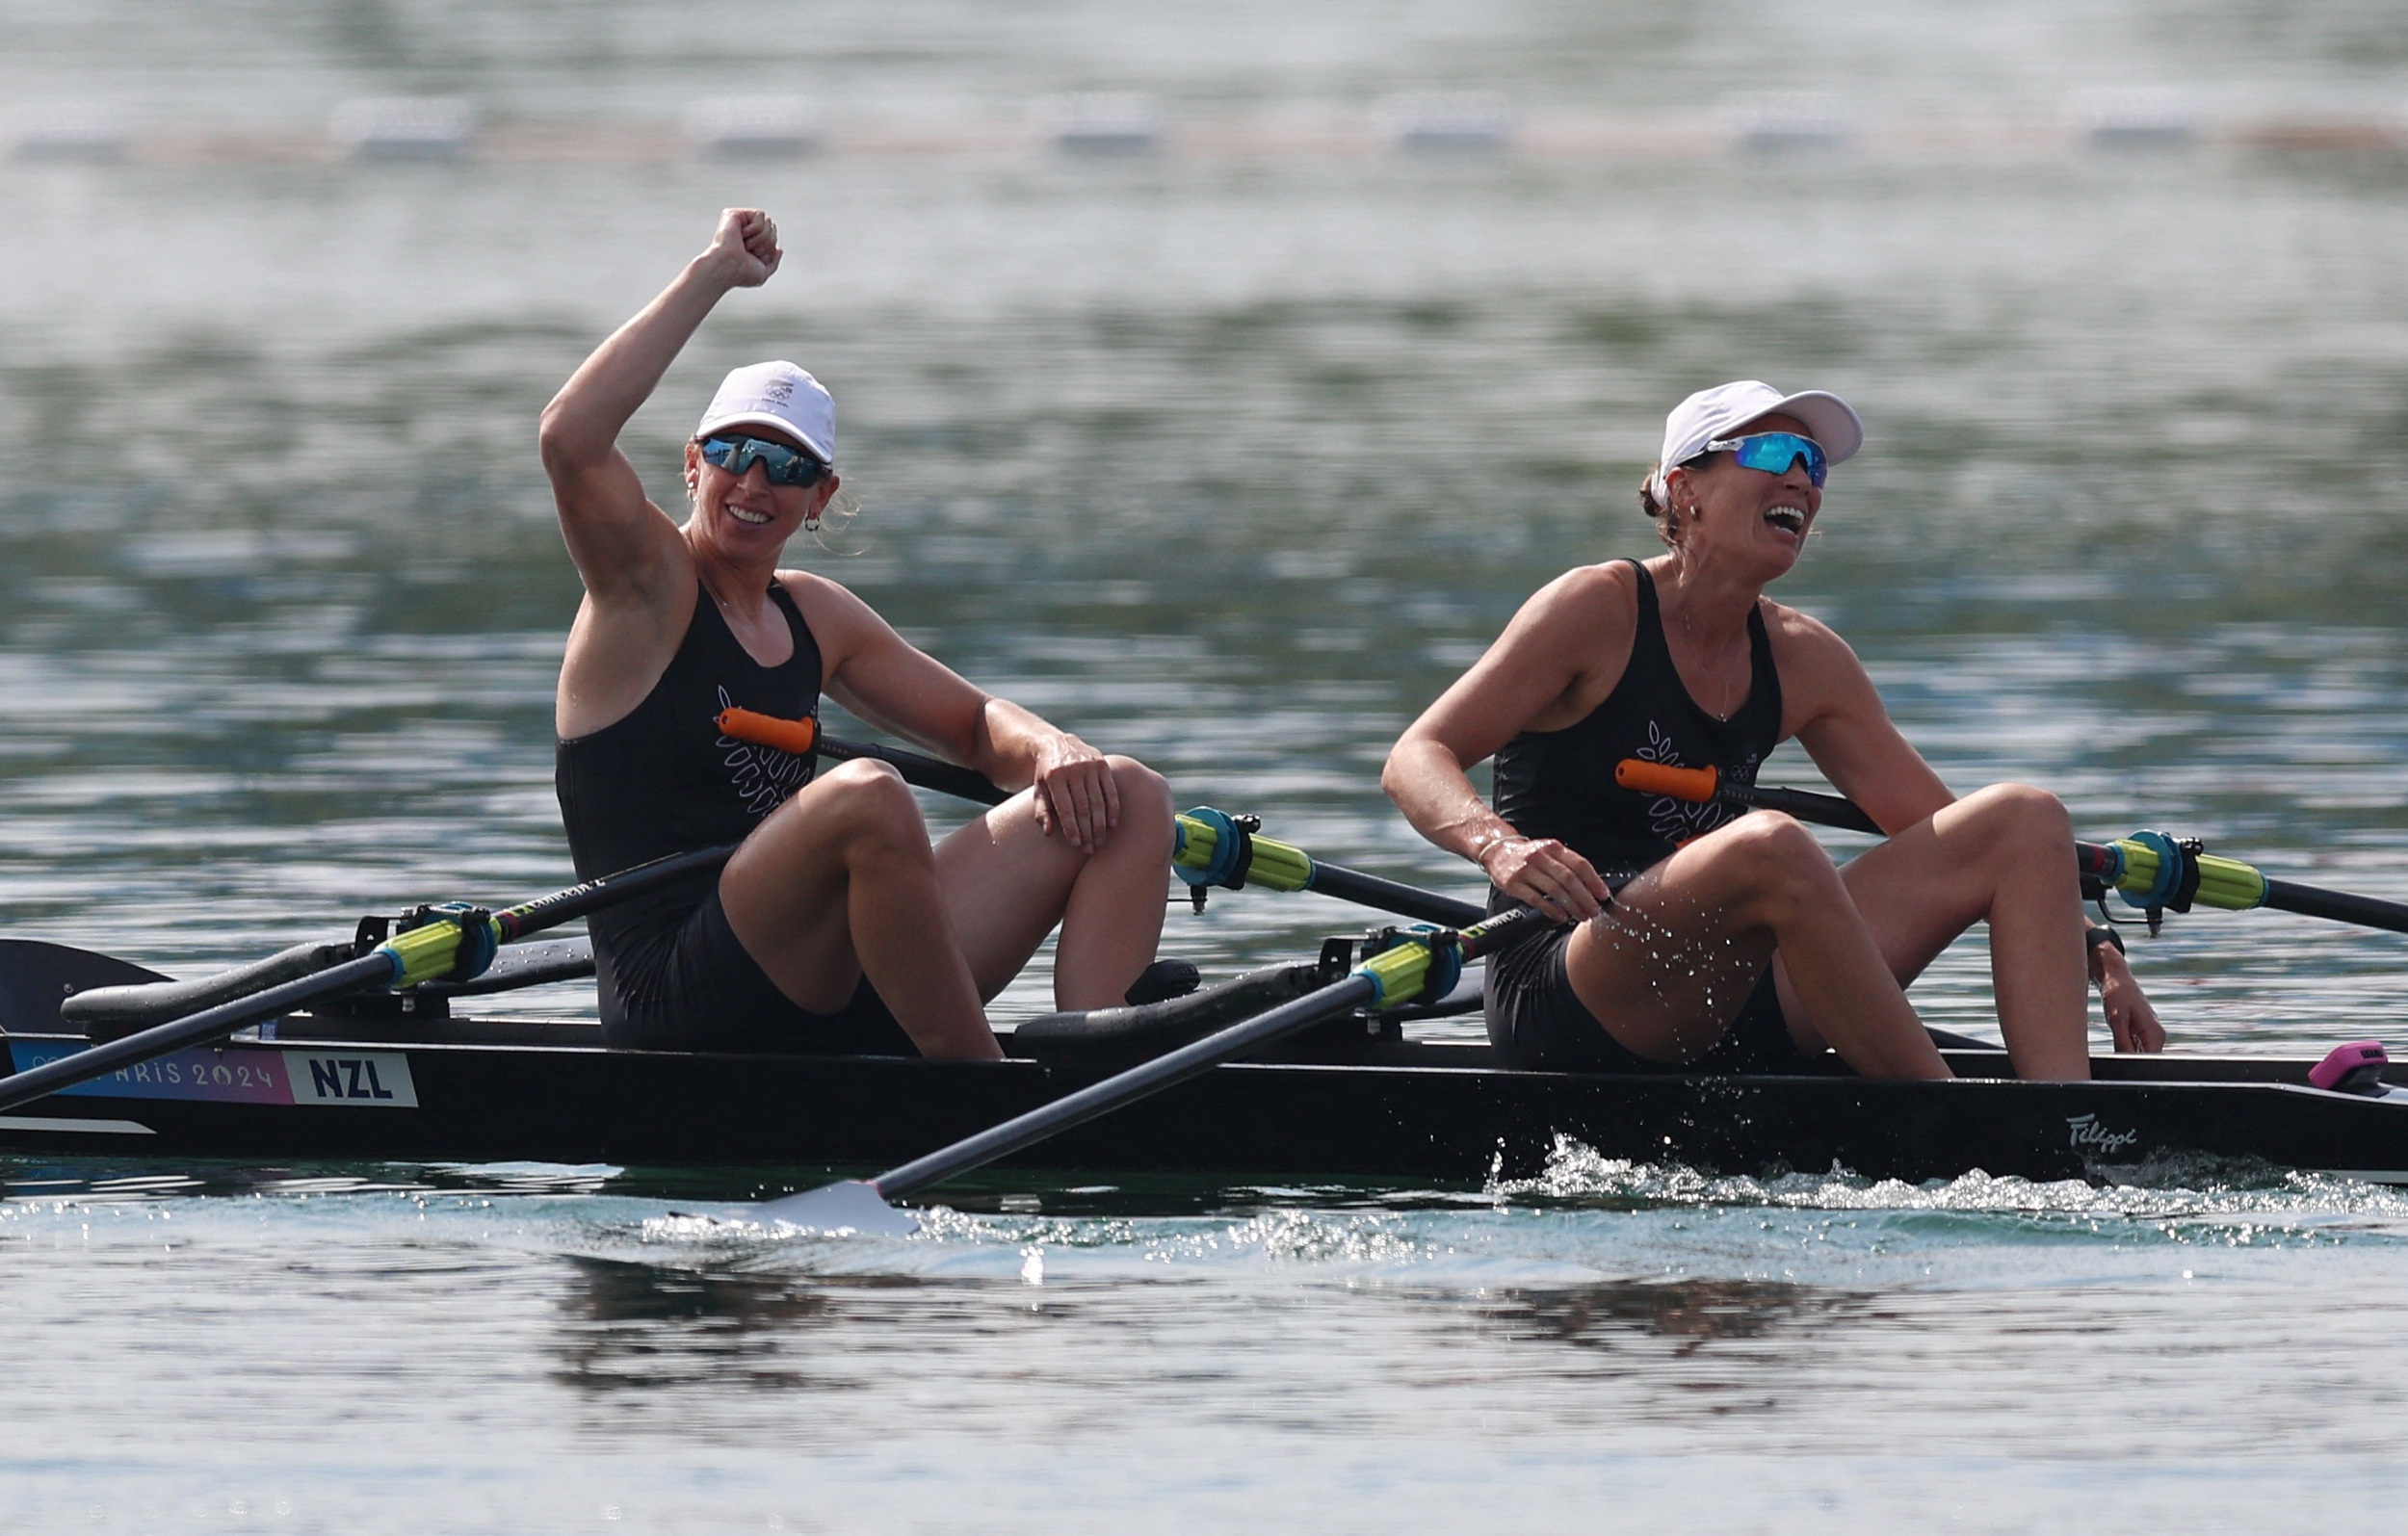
column 776, row 395
column 1712, row 413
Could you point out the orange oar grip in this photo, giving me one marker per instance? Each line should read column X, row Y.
column 1657, row 778
column 798, row 736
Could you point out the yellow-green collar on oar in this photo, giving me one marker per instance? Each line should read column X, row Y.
column 453, row 943
column 2154, row 872
column 1213, row 848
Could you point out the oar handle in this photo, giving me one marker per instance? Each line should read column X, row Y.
column 1698, row 786
column 802, row 736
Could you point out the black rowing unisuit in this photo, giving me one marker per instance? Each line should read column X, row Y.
column 663, row 780
column 1560, row 784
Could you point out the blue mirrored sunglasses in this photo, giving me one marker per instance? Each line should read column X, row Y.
column 1774, row 453
column 784, row 465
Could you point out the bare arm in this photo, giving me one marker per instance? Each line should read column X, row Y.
column 1842, row 724
column 638, row 572
column 1537, row 669
column 886, row 679
column 625, row 548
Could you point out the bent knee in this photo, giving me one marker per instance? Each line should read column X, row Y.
column 1772, row 854
column 864, row 776
column 1773, row 839
column 1140, row 787
column 2022, row 811
column 869, row 798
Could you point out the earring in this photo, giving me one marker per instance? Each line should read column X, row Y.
column 811, row 522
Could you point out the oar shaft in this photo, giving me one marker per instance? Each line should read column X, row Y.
column 2218, row 882
column 1389, row 896
column 591, row 896
column 927, row 772
column 1212, row 848
column 352, row 975
column 387, row 966
column 1103, row 1098
column 2315, row 902
column 1826, row 810
column 1188, row 1061
column 950, row 778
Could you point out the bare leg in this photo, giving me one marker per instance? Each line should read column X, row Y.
column 1007, row 883
column 840, row 882
column 1669, row 963
column 2004, row 854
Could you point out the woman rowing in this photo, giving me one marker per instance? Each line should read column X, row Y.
column 836, row 927
column 1722, row 941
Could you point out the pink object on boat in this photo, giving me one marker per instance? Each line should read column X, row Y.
column 2352, row 1068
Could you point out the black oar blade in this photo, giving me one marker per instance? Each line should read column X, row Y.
column 36, row 977
column 853, row 1207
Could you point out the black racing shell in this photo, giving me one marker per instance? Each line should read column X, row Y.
column 663, row 780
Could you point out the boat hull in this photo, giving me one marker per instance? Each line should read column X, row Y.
column 1420, row 1113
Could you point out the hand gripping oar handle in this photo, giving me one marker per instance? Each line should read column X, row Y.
column 2149, row 869
column 1389, row 978
column 1701, row 785
column 422, row 954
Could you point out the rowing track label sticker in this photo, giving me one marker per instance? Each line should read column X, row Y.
column 349, row 1080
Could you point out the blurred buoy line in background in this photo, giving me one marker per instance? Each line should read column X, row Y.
column 1456, row 125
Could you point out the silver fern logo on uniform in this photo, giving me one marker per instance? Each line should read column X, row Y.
column 763, row 776
column 1676, row 821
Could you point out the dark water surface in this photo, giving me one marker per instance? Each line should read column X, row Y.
column 1230, row 459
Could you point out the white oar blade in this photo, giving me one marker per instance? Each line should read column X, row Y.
column 852, row 1205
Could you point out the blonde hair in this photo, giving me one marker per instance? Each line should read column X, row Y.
column 836, row 517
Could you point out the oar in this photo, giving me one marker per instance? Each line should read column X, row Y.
column 1392, row 976
column 45, row 985
column 1214, row 848
column 1211, row 847
column 429, row 951
column 802, row 738
column 2151, row 871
